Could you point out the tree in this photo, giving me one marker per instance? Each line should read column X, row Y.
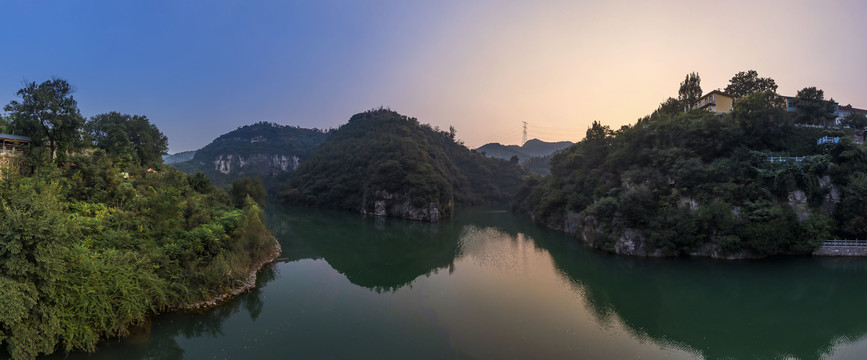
column 812, row 106
column 4, row 125
column 251, row 187
column 671, row 106
column 749, row 82
column 855, row 121
column 47, row 112
column 690, row 89
column 128, row 137
column 762, row 117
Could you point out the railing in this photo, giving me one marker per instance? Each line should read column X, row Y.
column 845, row 243
column 828, row 140
column 786, row 158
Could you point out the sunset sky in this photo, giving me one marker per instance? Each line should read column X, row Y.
column 199, row 69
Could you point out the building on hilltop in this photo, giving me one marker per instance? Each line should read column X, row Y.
column 13, row 144
column 791, row 106
column 843, row 111
column 715, row 101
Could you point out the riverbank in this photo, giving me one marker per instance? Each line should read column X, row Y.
column 248, row 284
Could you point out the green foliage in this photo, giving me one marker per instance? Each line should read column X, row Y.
column 248, row 187
column 261, row 139
column 130, row 138
column 688, row 180
column 671, row 106
column 690, row 89
column 48, row 112
column 4, row 125
column 762, row 118
column 812, row 106
column 855, row 121
column 382, row 151
column 746, row 83
column 89, row 250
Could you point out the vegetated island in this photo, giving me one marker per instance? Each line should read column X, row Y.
column 96, row 234
column 387, row 164
column 747, row 181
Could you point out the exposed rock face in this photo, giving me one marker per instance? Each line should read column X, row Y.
column 401, row 205
column 632, row 241
column 798, row 203
column 260, row 164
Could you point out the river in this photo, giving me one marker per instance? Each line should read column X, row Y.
column 491, row 285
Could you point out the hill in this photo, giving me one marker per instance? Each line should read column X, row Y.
column 539, row 148
column 267, row 150
column 532, row 148
column 744, row 184
column 534, row 155
column 170, row 159
column 387, row 164
column 500, row 151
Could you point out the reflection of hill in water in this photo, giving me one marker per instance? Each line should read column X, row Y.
column 377, row 253
column 787, row 307
column 798, row 307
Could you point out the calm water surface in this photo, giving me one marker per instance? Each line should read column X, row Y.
column 490, row 285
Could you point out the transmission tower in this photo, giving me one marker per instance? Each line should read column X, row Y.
column 524, row 138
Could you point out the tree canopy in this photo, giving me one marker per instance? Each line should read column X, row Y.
column 748, row 82
column 48, row 111
column 97, row 244
column 131, row 138
column 690, row 89
column 684, row 183
column 855, row 121
column 812, row 106
column 381, row 150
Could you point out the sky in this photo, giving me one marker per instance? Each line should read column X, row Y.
column 199, row 69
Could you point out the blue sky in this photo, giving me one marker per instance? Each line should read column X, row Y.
column 199, row 69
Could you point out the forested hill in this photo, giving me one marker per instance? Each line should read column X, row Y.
column 532, row 148
column 96, row 234
column 748, row 183
column 263, row 149
column 384, row 163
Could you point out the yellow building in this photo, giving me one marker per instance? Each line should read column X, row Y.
column 715, row 101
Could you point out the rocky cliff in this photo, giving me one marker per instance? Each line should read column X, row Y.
column 265, row 150
column 383, row 203
column 255, row 164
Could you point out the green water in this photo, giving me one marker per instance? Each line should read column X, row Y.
column 490, row 285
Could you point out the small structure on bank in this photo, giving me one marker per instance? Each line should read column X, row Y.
column 11, row 145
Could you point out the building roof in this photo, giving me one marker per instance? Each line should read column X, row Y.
column 849, row 108
column 14, row 137
column 716, row 92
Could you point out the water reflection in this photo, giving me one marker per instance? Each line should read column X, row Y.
column 158, row 339
column 492, row 285
column 769, row 309
column 376, row 253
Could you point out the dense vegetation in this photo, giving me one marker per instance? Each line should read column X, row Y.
column 99, row 235
column 260, row 139
column 381, row 150
column 695, row 182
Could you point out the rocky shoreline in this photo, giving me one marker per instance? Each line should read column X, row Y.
column 245, row 286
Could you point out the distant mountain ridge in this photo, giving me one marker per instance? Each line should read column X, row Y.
column 170, row 159
column 532, row 148
column 263, row 149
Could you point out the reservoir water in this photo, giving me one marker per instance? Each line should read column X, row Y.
column 490, row 285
